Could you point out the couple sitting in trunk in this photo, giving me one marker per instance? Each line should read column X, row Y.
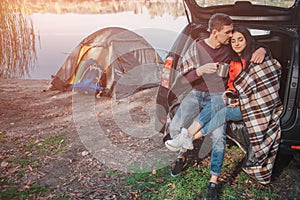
column 199, row 67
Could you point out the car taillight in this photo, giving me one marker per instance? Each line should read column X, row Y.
column 166, row 72
column 295, row 147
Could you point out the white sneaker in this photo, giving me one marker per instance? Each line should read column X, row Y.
column 187, row 141
column 182, row 141
column 174, row 144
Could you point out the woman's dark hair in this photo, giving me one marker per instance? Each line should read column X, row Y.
column 251, row 45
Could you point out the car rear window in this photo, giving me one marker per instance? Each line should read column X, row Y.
column 277, row 3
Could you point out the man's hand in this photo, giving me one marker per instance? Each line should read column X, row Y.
column 208, row 68
column 258, row 56
column 224, row 97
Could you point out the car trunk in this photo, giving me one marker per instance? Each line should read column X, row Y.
column 245, row 11
column 276, row 28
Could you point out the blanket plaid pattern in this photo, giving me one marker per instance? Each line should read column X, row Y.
column 190, row 59
column 261, row 108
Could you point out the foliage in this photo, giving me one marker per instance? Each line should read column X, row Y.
column 27, row 161
column 17, row 40
column 193, row 182
column 13, row 192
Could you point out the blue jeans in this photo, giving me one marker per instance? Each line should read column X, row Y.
column 189, row 108
column 220, row 118
column 217, row 126
column 210, row 110
column 218, row 138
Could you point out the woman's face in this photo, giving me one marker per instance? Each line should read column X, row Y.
column 238, row 42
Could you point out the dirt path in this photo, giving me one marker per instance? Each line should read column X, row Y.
column 55, row 140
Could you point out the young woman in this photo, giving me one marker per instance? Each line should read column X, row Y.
column 243, row 46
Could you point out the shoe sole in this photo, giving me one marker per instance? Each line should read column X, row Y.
column 174, row 175
column 188, row 147
column 172, row 148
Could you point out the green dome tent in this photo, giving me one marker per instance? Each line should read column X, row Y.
column 126, row 63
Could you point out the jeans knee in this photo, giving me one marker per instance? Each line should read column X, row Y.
column 219, row 143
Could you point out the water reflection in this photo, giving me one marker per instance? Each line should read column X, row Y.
column 61, row 33
column 154, row 7
column 278, row 3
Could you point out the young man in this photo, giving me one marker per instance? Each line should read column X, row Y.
column 199, row 66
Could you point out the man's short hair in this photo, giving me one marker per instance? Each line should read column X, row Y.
column 218, row 20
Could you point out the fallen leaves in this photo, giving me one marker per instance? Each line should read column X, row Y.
column 4, row 164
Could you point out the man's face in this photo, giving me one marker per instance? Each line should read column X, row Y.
column 225, row 34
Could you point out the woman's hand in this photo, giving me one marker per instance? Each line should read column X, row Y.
column 235, row 104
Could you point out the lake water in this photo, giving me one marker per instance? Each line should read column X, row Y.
column 61, row 33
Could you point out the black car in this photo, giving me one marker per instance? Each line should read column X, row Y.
column 273, row 25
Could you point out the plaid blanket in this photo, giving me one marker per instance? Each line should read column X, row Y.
column 191, row 59
column 261, row 107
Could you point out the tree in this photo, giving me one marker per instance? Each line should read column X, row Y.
column 17, row 40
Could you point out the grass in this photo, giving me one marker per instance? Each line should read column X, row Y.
column 15, row 193
column 54, row 143
column 192, row 183
column 49, row 145
column 161, row 185
column 155, row 185
column 22, row 160
column 28, row 156
column 27, row 159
